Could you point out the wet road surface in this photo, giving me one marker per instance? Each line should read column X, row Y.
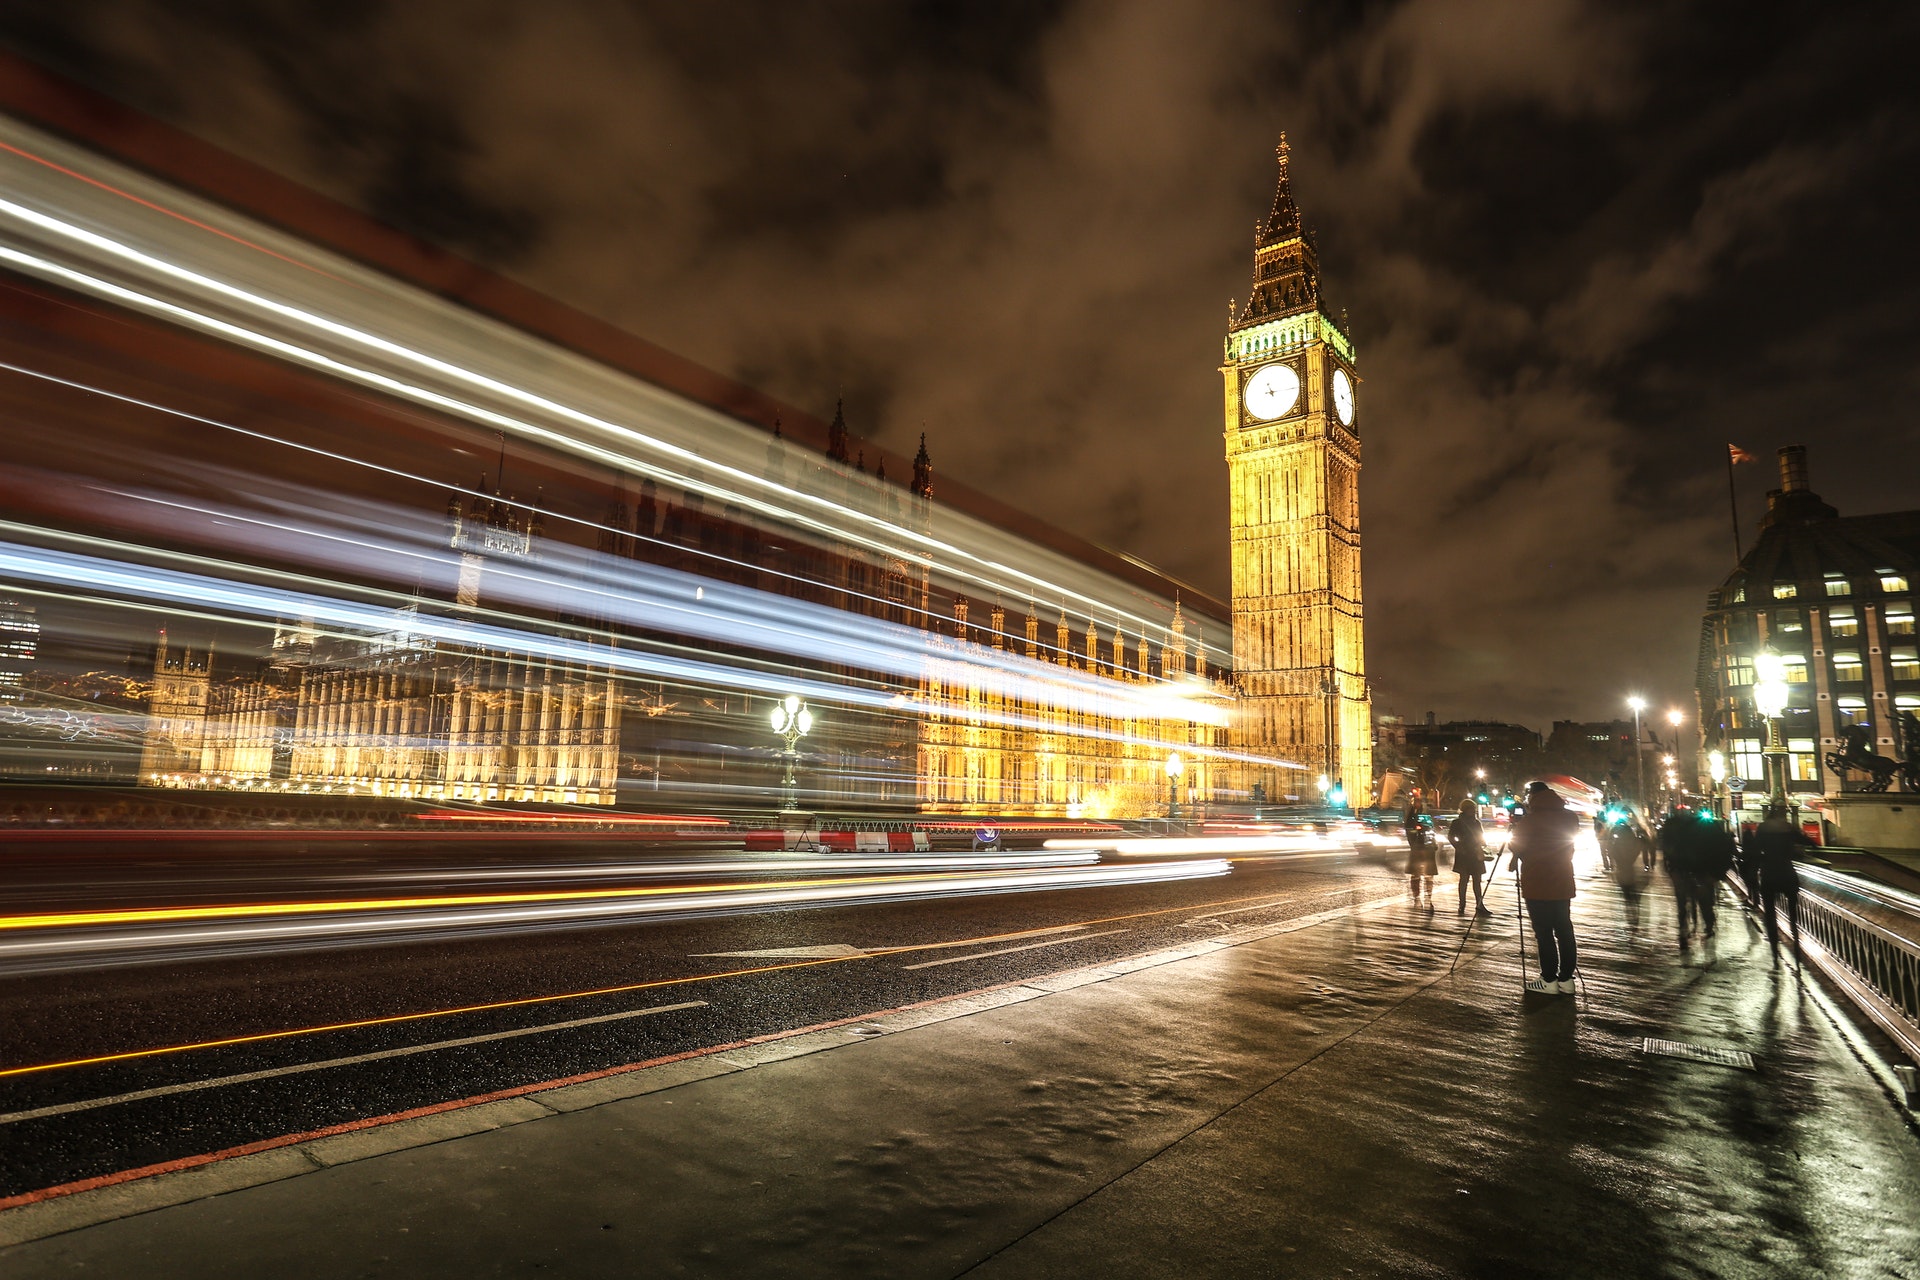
column 128, row 1066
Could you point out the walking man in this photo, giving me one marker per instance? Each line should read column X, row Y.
column 1543, row 845
column 1423, row 863
column 1771, row 850
column 1628, row 868
column 1680, row 839
column 1469, row 840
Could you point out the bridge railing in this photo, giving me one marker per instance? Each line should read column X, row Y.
column 1866, row 939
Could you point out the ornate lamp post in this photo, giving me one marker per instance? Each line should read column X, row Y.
column 1770, row 700
column 791, row 720
column 1639, row 765
column 1717, row 770
column 1176, row 767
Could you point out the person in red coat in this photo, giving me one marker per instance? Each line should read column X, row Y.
column 1543, row 845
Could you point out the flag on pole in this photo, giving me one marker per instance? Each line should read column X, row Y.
column 1736, row 454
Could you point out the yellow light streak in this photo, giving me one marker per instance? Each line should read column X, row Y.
column 259, row 1037
column 247, row 910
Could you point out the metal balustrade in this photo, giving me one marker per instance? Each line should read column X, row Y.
column 1866, row 939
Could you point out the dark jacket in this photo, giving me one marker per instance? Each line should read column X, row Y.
column 1469, row 840
column 1542, row 841
column 1773, row 846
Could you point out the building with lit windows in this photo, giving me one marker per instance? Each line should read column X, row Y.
column 1293, row 462
column 395, row 713
column 1833, row 597
column 1069, row 748
column 19, row 646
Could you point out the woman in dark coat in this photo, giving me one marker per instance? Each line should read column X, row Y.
column 1423, row 863
column 1469, row 840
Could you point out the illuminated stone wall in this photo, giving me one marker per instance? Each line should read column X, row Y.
column 1293, row 462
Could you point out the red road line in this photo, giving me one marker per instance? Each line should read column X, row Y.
column 518, row 1091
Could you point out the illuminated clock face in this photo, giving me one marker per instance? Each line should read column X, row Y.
column 1343, row 397
column 1272, row 391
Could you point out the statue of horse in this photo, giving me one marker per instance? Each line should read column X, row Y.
column 1859, row 757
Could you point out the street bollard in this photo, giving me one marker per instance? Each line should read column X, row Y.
column 1909, row 1081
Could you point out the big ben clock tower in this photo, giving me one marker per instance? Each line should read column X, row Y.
column 1293, row 462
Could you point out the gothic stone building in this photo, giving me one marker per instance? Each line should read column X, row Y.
column 1293, row 460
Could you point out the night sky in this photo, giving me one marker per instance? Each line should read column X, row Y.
column 1584, row 246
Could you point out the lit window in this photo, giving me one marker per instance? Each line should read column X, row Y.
column 1787, row 591
column 1906, row 663
column 1838, row 586
column 1739, row 595
column 1803, row 760
column 1892, row 581
column 1788, row 620
column 1748, row 762
column 1842, row 622
column 1899, row 616
column 1906, row 702
column 1739, row 670
column 1850, row 710
column 1846, row 666
column 1795, row 667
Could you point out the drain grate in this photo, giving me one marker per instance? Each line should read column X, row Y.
column 1739, row 1059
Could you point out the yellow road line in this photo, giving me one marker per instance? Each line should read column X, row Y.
column 392, row 1019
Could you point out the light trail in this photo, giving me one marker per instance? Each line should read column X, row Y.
column 1190, row 846
column 774, row 864
column 98, row 212
column 523, row 1002
column 261, row 604
column 55, row 941
column 870, row 525
column 255, row 910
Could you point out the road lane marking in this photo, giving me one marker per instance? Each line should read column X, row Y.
column 1261, row 906
column 982, row 955
column 992, row 937
column 258, row 1037
column 827, row 951
column 247, row 1077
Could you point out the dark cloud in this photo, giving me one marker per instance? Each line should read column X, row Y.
column 1583, row 245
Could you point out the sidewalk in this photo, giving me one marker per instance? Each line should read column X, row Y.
column 1320, row 1101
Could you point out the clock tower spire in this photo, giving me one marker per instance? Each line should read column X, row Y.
column 1293, row 464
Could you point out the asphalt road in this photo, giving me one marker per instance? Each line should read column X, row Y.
column 323, row 1037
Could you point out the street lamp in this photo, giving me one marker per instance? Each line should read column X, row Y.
column 1639, row 768
column 791, row 720
column 1770, row 700
column 1717, row 770
column 1175, row 768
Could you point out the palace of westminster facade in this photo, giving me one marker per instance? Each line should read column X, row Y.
column 397, row 715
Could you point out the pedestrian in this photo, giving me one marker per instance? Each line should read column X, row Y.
column 1542, row 843
column 1620, row 839
column 1423, row 863
column 1745, row 866
column 1680, row 848
column 1772, row 848
column 1630, row 841
column 1469, row 841
column 1713, row 858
